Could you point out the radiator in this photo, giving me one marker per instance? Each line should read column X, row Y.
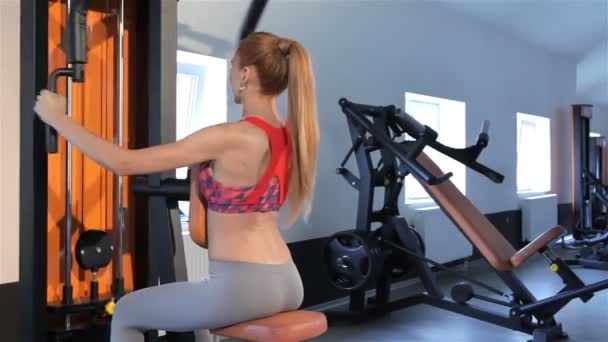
column 443, row 241
column 197, row 259
column 538, row 213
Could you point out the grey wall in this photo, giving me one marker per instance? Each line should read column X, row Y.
column 592, row 70
column 599, row 122
column 373, row 52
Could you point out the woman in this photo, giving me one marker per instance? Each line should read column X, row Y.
column 245, row 170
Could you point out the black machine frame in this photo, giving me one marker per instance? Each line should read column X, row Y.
column 168, row 264
column 589, row 193
column 587, row 165
column 36, row 139
column 376, row 128
column 33, row 179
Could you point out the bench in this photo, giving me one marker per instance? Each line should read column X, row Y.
column 292, row 326
column 478, row 229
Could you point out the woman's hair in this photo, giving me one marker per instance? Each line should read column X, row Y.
column 282, row 64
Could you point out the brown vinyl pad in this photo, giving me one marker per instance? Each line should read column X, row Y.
column 480, row 231
column 292, row 326
column 541, row 241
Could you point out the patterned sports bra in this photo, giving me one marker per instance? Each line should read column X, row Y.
column 268, row 194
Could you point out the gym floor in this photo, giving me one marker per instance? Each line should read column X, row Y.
column 582, row 322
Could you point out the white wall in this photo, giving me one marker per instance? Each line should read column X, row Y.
column 374, row 51
column 9, row 141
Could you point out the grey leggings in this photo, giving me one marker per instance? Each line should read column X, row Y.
column 234, row 292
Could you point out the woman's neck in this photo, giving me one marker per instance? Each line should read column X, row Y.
column 263, row 107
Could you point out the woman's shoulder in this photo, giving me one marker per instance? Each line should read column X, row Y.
column 241, row 132
column 237, row 129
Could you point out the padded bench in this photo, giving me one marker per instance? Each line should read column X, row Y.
column 293, row 326
column 478, row 229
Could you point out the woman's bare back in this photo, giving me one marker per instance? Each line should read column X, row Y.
column 249, row 237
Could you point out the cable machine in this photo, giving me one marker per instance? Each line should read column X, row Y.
column 589, row 193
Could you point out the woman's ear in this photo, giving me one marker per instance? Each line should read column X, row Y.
column 245, row 74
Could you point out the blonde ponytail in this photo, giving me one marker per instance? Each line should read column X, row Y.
column 304, row 124
column 285, row 64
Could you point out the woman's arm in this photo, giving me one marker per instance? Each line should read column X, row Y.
column 205, row 144
column 197, row 217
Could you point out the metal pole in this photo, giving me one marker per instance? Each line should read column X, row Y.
column 67, row 289
column 121, row 210
column 67, row 292
column 565, row 296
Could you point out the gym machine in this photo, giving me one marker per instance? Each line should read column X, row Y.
column 357, row 259
column 168, row 262
column 94, row 248
column 589, row 194
column 73, row 318
column 350, row 250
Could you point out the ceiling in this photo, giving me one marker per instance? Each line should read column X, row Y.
column 575, row 29
column 567, row 27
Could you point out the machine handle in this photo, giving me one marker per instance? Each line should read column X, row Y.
column 76, row 56
column 50, row 133
column 485, row 127
column 420, row 172
column 77, row 32
column 365, row 109
column 486, row 171
column 410, row 125
column 484, row 138
column 253, row 17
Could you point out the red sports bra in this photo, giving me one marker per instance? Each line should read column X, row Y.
column 271, row 190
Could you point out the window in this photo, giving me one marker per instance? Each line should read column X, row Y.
column 533, row 154
column 201, row 99
column 447, row 118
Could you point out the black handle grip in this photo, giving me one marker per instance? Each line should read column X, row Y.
column 484, row 138
column 50, row 139
column 50, row 132
column 485, row 127
column 410, row 125
column 420, row 172
column 486, row 171
column 253, row 17
column 77, row 32
column 439, row 180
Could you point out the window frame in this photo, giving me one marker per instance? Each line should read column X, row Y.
column 200, row 67
column 523, row 119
